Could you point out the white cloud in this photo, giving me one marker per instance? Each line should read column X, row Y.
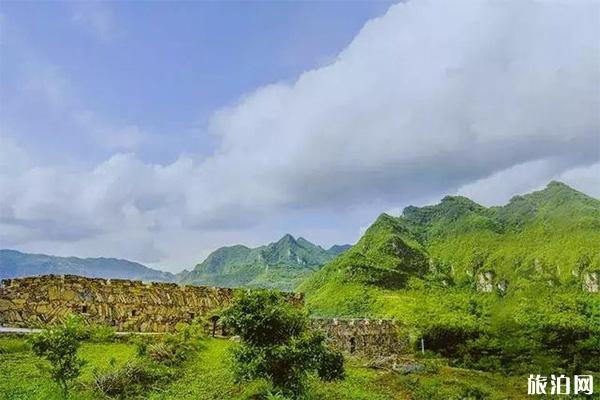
column 427, row 97
column 487, row 98
column 95, row 17
column 585, row 179
column 500, row 187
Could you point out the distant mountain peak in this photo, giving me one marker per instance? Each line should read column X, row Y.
column 337, row 249
column 554, row 187
column 277, row 264
column 287, row 238
column 557, row 227
column 558, row 184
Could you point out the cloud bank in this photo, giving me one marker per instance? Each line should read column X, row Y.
column 434, row 97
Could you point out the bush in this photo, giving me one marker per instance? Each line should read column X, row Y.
column 134, row 378
column 158, row 354
column 330, row 365
column 162, row 353
column 100, row 333
column 141, row 344
column 59, row 346
column 174, row 348
column 275, row 343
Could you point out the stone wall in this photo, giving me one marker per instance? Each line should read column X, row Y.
column 365, row 337
column 134, row 306
column 127, row 305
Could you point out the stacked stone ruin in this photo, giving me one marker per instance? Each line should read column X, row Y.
column 367, row 337
column 123, row 304
column 135, row 306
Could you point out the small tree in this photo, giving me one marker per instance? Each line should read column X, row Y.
column 59, row 346
column 276, row 344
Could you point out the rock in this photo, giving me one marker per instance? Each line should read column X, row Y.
column 124, row 304
column 409, row 368
column 485, row 281
column 591, row 281
column 6, row 305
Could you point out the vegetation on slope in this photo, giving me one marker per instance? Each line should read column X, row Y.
column 207, row 375
column 277, row 345
column 282, row 264
column 552, row 235
column 430, row 267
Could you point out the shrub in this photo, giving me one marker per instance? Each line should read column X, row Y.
column 330, row 365
column 140, row 343
column 275, row 343
column 162, row 353
column 100, row 333
column 59, row 346
column 174, row 348
column 134, row 378
column 258, row 389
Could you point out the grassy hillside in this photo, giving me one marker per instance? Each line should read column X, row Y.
column 492, row 287
column 207, row 375
column 551, row 236
column 282, row 264
column 14, row 264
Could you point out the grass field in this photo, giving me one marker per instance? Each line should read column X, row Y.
column 206, row 376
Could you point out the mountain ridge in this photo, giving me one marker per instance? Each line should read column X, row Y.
column 281, row 264
column 14, row 263
column 550, row 236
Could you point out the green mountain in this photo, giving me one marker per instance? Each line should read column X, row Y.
column 551, row 236
column 14, row 264
column 506, row 288
column 282, row 264
column 338, row 249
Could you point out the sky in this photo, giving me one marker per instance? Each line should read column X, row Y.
column 160, row 131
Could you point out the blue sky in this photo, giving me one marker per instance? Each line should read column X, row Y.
column 159, row 131
column 161, row 66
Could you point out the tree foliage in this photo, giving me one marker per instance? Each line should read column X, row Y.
column 59, row 346
column 276, row 344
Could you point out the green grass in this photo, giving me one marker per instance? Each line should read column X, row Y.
column 23, row 375
column 207, row 376
column 104, row 356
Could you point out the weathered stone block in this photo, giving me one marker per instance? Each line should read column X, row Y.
column 126, row 305
column 6, row 305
